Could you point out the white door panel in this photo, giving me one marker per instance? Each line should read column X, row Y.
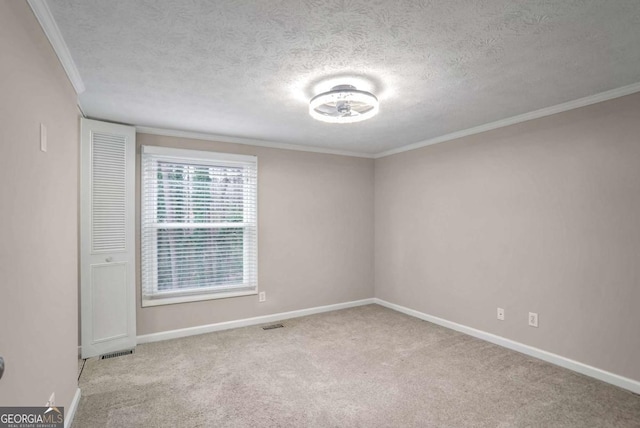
column 107, row 254
column 109, row 301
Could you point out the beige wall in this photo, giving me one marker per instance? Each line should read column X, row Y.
column 542, row 216
column 38, row 241
column 315, row 236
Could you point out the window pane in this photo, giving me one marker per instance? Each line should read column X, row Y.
column 199, row 193
column 201, row 257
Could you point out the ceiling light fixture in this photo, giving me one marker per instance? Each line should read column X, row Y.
column 344, row 104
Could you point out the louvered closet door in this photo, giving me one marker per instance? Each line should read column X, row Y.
column 107, row 257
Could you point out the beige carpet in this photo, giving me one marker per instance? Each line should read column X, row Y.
column 360, row 367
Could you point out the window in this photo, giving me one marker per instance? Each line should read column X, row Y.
column 199, row 225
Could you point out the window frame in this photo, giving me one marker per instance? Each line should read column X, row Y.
column 250, row 197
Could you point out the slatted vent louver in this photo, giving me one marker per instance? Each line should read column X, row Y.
column 116, row 354
column 108, row 208
column 273, row 326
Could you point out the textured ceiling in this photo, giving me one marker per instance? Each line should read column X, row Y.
column 248, row 68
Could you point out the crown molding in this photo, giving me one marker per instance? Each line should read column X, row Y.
column 47, row 22
column 80, row 108
column 247, row 141
column 536, row 114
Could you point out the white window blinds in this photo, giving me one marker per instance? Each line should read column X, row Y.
column 199, row 225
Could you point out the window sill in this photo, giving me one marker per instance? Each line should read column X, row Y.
column 195, row 298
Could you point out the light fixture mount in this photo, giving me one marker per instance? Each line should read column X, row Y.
column 344, row 104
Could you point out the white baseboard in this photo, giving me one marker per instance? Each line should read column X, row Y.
column 71, row 412
column 209, row 328
column 576, row 366
column 605, row 376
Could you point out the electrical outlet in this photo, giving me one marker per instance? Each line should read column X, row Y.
column 533, row 319
column 501, row 314
column 262, row 296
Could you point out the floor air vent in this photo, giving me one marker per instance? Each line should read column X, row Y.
column 272, row 326
column 116, row 354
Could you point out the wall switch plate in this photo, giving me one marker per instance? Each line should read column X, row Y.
column 262, row 296
column 43, row 138
column 533, row 319
column 501, row 314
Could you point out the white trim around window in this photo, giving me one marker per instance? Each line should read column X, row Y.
column 199, row 225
